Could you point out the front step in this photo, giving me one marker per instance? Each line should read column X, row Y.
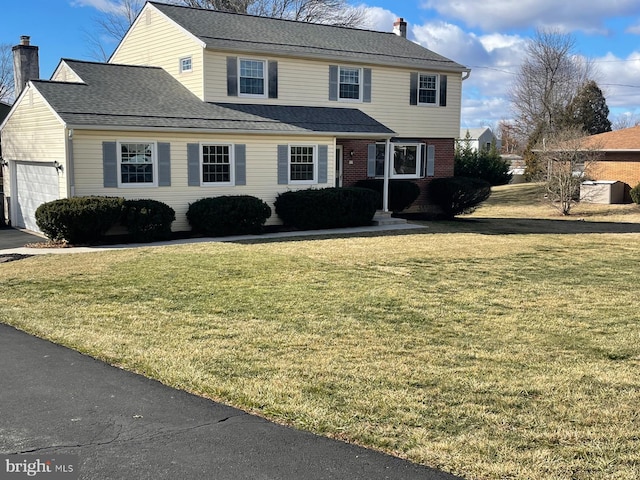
column 385, row 218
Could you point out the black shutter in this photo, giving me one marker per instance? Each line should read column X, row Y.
column 413, row 88
column 232, row 76
column 443, row 90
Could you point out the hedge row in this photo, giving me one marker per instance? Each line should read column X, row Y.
column 82, row 220
column 85, row 220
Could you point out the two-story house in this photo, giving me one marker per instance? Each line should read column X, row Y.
column 197, row 103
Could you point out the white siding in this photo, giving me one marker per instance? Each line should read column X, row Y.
column 65, row 74
column 306, row 82
column 34, row 133
column 156, row 41
column 261, row 168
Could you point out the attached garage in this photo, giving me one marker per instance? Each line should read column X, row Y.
column 35, row 184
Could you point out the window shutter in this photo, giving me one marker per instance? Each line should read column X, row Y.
column 273, row 79
column 322, row 163
column 164, row 164
column 110, row 164
column 240, row 161
column 413, row 88
column 366, row 86
column 232, row 76
column 371, row 160
column 283, row 164
column 443, row 90
column 431, row 160
column 333, row 83
column 193, row 164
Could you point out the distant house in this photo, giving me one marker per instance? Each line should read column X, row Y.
column 198, row 103
column 479, row 138
column 621, row 156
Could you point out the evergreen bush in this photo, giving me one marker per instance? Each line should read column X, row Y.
column 456, row 195
column 228, row 215
column 147, row 220
column 78, row 220
column 327, row 207
column 402, row 193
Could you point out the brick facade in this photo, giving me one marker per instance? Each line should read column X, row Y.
column 621, row 166
column 355, row 166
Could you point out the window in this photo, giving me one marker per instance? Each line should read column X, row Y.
column 349, row 83
column 302, row 164
column 427, row 89
column 137, row 163
column 185, row 65
column 217, row 164
column 251, row 78
column 407, row 161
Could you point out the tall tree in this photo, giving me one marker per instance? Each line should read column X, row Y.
column 588, row 110
column 118, row 17
column 548, row 80
column 6, row 73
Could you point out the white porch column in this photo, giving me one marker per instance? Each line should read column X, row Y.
column 385, row 183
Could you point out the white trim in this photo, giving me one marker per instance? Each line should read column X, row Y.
column 436, row 103
column 139, row 18
column 28, row 87
column 360, row 84
column 62, row 62
column 124, row 128
column 391, row 160
column 265, row 77
column 182, row 59
column 154, row 163
column 232, row 164
column 315, row 164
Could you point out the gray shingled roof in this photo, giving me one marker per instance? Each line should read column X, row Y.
column 247, row 33
column 133, row 96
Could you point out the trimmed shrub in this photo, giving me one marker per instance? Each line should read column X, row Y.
column 327, row 207
column 78, row 220
column 402, row 193
column 456, row 195
column 228, row 215
column 635, row 194
column 147, row 220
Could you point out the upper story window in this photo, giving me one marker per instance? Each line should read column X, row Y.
column 137, row 164
column 350, row 83
column 216, row 164
column 302, row 164
column 251, row 77
column 186, row 65
column 427, row 89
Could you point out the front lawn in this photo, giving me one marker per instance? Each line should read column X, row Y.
column 490, row 356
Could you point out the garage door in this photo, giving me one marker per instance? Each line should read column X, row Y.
column 36, row 183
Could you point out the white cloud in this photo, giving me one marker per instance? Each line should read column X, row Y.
column 379, row 19
column 110, row 6
column 500, row 15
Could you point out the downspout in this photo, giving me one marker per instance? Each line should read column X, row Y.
column 385, row 183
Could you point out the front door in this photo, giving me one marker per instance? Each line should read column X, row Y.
column 339, row 165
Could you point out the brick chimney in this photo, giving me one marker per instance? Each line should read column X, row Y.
column 400, row 27
column 25, row 64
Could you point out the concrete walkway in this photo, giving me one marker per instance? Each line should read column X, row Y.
column 56, row 401
column 12, row 241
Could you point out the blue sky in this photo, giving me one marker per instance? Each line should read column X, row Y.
column 487, row 36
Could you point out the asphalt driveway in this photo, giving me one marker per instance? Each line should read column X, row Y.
column 11, row 238
column 56, row 401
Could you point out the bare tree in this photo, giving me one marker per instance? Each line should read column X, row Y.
column 566, row 160
column 625, row 120
column 6, row 73
column 111, row 26
column 548, row 80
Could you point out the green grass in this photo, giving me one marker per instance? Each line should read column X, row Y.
column 492, row 356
